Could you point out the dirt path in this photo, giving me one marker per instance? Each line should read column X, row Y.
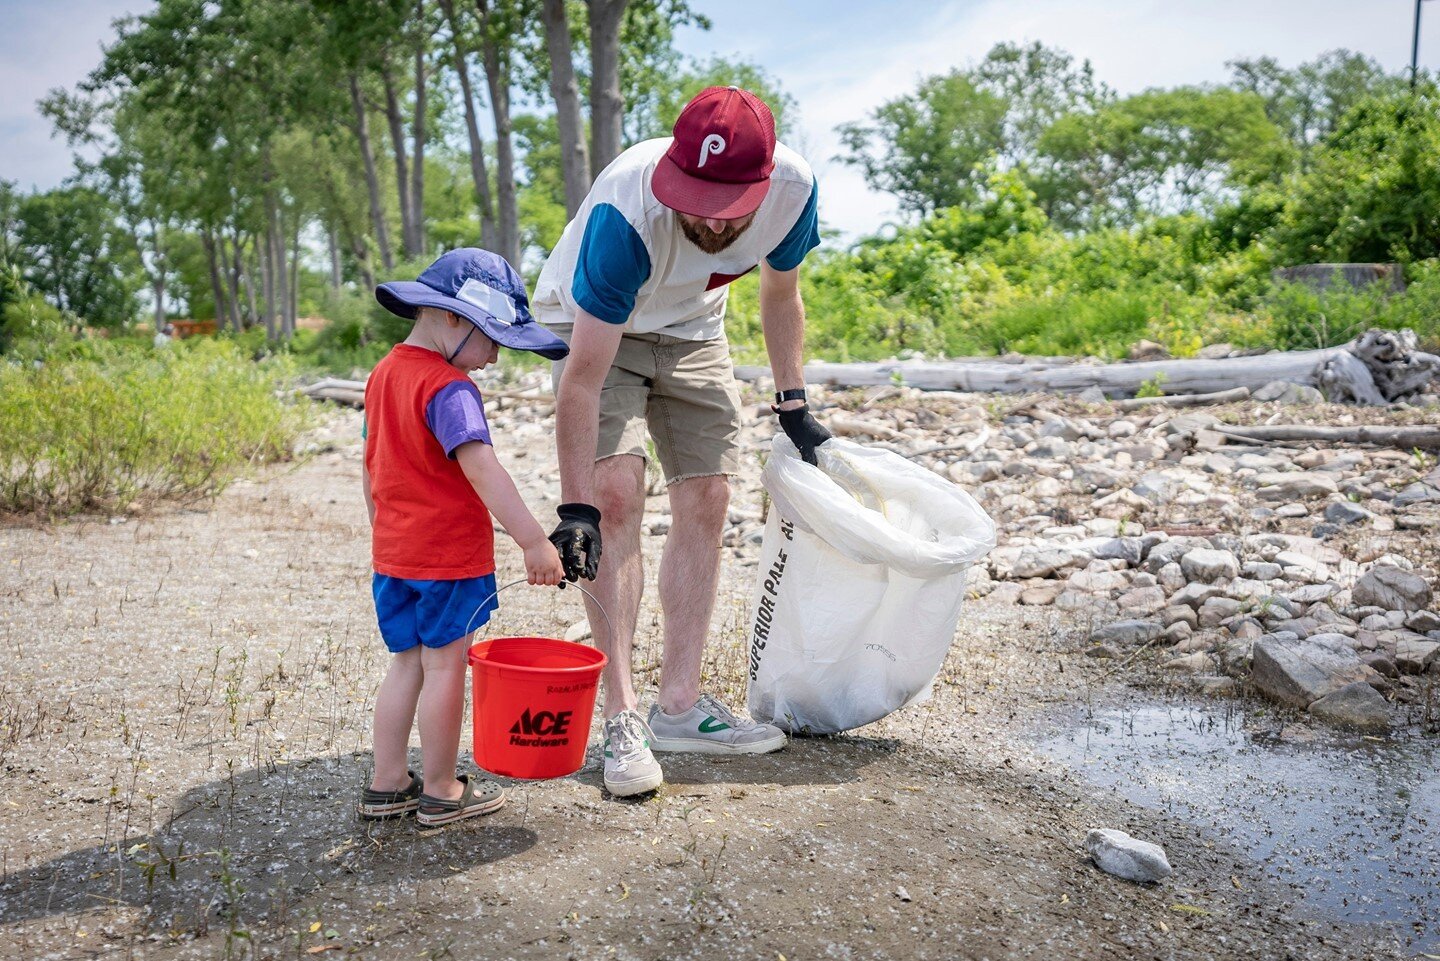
column 184, row 725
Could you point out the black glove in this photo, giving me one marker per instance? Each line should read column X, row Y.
column 577, row 538
column 804, row 430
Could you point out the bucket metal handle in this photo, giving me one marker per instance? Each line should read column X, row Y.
column 608, row 625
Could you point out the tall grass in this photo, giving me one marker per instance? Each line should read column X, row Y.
column 98, row 426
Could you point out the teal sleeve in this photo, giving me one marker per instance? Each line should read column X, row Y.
column 802, row 238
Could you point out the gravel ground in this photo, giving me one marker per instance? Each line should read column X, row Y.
column 184, row 724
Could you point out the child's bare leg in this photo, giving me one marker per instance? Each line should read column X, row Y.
column 394, row 716
column 442, row 708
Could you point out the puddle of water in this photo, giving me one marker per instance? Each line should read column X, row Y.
column 1353, row 824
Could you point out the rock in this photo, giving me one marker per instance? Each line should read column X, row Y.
column 1194, row 595
column 1191, row 644
column 1177, row 633
column 1311, row 593
column 1299, row 626
column 1294, row 486
column 1423, row 622
column 1142, row 600
column 1006, row 592
column 1380, row 664
column 1171, row 577
column 1043, row 563
column 1121, row 428
column 1218, row 610
column 1261, row 571
column 1179, row 613
column 1358, row 706
column 1285, row 392
column 1344, row 512
column 578, row 631
column 1148, row 350
column 1092, row 477
column 1099, row 581
column 1125, row 633
column 1215, row 351
column 1298, row 673
column 1093, row 395
column 1392, row 589
column 1104, row 651
column 1041, row 595
column 1127, row 549
column 1416, row 493
column 1414, row 654
column 1210, row 566
column 1122, row 503
column 1117, row 853
column 1197, row 663
column 1170, row 551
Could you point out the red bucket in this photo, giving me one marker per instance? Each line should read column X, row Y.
column 533, row 698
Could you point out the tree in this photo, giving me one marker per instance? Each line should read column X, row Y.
column 565, row 90
column 1373, row 187
column 1160, row 151
column 1307, row 103
column 607, row 108
column 653, row 113
column 72, row 252
column 479, row 176
column 929, row 148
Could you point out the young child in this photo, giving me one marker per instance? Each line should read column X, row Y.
column 431, row 483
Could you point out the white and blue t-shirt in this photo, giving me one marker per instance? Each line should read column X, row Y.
column 624, row 259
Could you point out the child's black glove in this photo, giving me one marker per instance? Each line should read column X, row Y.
column 804, row 430
column 577, row 538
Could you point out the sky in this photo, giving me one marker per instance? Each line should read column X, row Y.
column 838, row 59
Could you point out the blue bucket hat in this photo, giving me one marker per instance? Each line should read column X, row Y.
column 483, row 288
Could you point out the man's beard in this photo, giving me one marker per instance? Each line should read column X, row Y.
column 711, row 242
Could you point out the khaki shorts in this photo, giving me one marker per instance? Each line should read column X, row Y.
column 683, row 392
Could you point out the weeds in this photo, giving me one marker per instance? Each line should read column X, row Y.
column 98, row 427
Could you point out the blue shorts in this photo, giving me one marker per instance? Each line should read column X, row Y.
column 433, row 613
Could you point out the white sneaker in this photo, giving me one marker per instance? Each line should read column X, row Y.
column 630, row 768
column 712, row 728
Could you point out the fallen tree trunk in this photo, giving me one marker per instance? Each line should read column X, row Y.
column 1405, row 438
column 1171, row 376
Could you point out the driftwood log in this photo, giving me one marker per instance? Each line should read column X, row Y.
column 1379, row 367
column 1424, row 438
column 1172, row 376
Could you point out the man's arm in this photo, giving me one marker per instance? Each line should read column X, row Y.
column 782, row 317
column 577, row 404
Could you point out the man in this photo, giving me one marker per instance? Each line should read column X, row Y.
column 637, row 286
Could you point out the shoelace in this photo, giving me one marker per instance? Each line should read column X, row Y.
column 716, row 708
column 627, row 739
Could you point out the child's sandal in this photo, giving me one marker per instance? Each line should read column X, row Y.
column 384, row 805
column 479, row 797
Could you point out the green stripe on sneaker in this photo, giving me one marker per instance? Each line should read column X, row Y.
column 710, row 726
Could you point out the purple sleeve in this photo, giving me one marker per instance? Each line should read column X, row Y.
column 456, row 417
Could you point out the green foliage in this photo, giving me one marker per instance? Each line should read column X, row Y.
column 98, row 427
column 1373, row 186
column 1154, row 387
column 71, row 251
column 932, row 149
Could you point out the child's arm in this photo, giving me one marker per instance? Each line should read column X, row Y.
column 365, row 485
column 495, row 487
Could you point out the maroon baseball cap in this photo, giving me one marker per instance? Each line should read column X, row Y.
column 724, row 152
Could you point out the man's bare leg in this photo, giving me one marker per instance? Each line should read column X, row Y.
column 689, row 576
column 620, row 497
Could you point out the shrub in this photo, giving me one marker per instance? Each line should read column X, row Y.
column 98, row 427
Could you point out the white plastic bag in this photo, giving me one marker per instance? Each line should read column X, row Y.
column 861, row 578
